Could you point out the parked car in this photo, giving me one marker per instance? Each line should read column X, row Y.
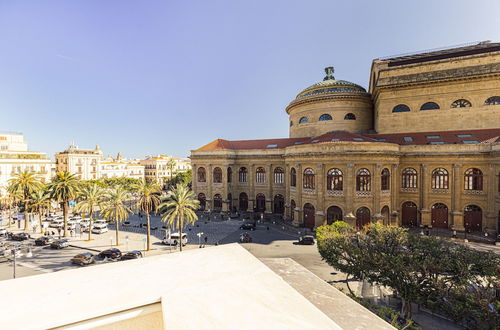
column 83, row 259
column 100, row 222
column 113, row 254
column 99, row 228
column 126, row 224
column 306, row 240
column 245, row 238
column 248, row 226
column 20, row 237
column 3, row 231
column 174, row 239
column 57, row 223
column 60, row 243
column 44, row 240
column 132, row 255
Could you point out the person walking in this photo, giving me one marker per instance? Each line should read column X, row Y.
column 206, row 239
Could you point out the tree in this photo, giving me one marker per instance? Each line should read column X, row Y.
column 25, row 183
column 39, row 202
column 10, row 200
column 92, row 196
column 171, row 164
column 179, row 208
column 64, row 188
column 148, row 202
column 181, row 178
column 114, row 207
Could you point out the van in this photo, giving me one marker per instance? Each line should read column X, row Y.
column 99, row 228
column 173, row 239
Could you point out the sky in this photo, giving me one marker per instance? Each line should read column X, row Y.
column 149, row 77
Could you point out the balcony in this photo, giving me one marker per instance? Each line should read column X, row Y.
column 363, row 193
column 474, row 192
column 409, row 190
column 440, row 191
column 335, row 193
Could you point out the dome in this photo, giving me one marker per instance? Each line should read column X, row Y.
column 331, row 85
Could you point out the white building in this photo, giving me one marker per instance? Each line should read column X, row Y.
column 85, row 163
column 119, row 167
column 157, row 168
column 15, row 157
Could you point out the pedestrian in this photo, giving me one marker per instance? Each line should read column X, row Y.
column 267, row 228
column 59, row 232
column 206, row 239
column 72, row 232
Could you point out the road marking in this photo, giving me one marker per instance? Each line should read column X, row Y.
column 29, row 265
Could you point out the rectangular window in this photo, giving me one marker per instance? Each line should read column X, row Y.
column 357, row 139
column 437, row 142
column 272, row 146
column 408, row 139
column 470, row 141
column 432, row 137
column 463, row 135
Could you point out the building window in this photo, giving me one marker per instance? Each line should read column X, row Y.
column 279, row 175
column 385, row 179
column 462, row 103
column 325, row 116
column 243, row 175
column 409, row 178
column 401, row 108
column 350, row 116
column 363, row 180
column 308, row 181
column 260, row 175
column 202, row 177
column 494, row 100
column 439, row 179
column 429, row 106
column 293, row 177
column 334, row 179
column 229, row 175
column 473, row 179
column 303, row 120
column 217, row 175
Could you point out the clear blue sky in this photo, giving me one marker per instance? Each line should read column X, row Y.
column 149, row 77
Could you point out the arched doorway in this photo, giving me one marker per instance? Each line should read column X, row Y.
column 203, row 201
column 230, row 204
column 362, row 217
column 385, row 214
column 439, row 215
column 309, row 216
column 243, row 201
column 409, row 214
column 334, row 213
column 292, row 209
column 217, row 203
column 260, row 203
column 473, row 218
column 279, row 204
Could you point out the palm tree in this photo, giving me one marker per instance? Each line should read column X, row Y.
column 40, row 200
column 25, row 183
column 180, row 208
column 148, row 202
column 114, row 207
column 92, row 196
column 64, row 188
column 171, row 164
column 10, row 201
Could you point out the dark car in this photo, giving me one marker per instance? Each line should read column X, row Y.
column 248, row 226
column 245, row 238
column 113, row 254
column 44, row 240
column 132, row 255
column 20, row 237
column 83, row 259
column 306, row 240
column 60, row 243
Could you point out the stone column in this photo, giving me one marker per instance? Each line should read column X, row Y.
column 423, row 187
column 350, row 189
column 288, row 210
column 194, row 180
column 251, row 183
column 395, row 187
column 269, row 194
column 210, row 183
column 320, row 194
column 458, row 214
column 489, row 225
column 376, row 188
column 298, row 214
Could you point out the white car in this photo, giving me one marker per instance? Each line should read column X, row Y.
column 100, row 222
column 100, row 228
column 173, row 239
column 57, row 223
column 3, row 231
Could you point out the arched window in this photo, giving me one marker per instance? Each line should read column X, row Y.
column 279, row 175
column 260, row 175
column 401, row 108
column 202, row 176
column 243, row 201
column 429, row 106
column 363, row 180
column 217, row 175
column 203, row 201
column 293, row 177
column 303, row 120
column 385, row 179
column 473, row 179
column 334, row 179
column 494, row 100
column 350, row 116
column 243, row 174
column 217, row 202
column 308, row 178
column 229, row 175
column 362, row 217
column 439, row 179
column 325, row 116
column 260, row 203
column 292, row 209
column 333, row 213
column 461, row 103
column 409, row 178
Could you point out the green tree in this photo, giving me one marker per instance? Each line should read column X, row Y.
column 40, row 203
column 10, row 200
column 181, row 178
column 171, row 164
column 25, row 183
column 92, row 196
column 64, row 188
column 179, row 208
column 115, row 208
column 149, row 199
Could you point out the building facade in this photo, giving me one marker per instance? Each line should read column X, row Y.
column 15, row 158
column 85, row 163
column 421, row 147
column 157, row 168
column 120, row 167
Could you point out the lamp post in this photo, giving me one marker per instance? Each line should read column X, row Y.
column 199, row 238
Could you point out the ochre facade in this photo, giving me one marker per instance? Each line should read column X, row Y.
column 392, row 162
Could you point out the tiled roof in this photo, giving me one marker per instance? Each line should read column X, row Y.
column 420, row 138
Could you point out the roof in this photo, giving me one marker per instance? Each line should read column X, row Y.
column 415, row 138
column 331, row 85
